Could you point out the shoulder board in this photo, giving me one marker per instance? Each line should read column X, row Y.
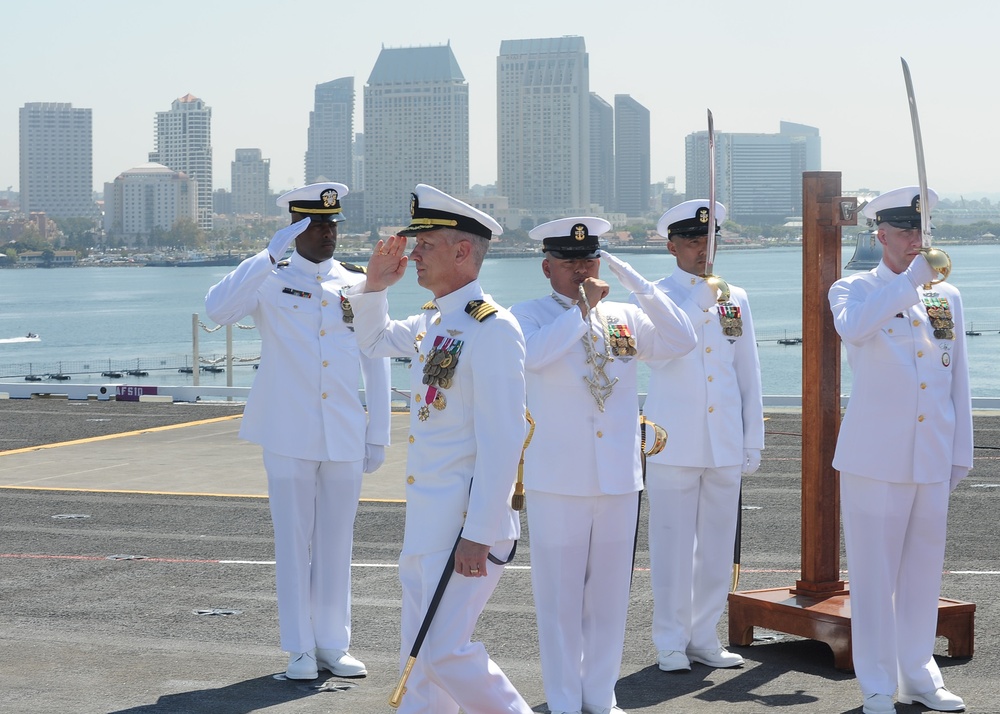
column 283, row 263
column 480, row 309
column 354, row 268
column 431, row 305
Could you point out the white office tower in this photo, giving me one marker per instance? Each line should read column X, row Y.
column 602, row 153
column 416, row 129
column 56, row 160
column 184, row 143
column 147, row 201
column 331, row 132
column 631, row 156
column 251, row 183
column 543, row 128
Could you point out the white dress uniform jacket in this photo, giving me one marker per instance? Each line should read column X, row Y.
column 304, row 400
column 909, row 418
column 462, row 459
column 577, row 449
column 708, row 400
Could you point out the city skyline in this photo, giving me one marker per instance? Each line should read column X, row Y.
column 754, row 65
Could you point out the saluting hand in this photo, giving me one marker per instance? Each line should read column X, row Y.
column 387, row 264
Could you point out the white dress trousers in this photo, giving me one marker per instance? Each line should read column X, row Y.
column 317, row 502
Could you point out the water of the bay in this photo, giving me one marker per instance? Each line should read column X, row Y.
column 91, row 320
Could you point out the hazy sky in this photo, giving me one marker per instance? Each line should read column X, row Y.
column 754, row 63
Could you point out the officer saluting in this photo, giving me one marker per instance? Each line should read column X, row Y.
column 582, row 472
column 904, row 444
column 467, row 426
column 304, row 410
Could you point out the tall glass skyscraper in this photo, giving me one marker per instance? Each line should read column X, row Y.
column 416, row 129
column 758, row 176
column 331, row 131
column 631, row 156
column 543, row 127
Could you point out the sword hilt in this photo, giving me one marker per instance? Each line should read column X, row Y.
column 396, row 698
column 720, row 286
column 939, row 261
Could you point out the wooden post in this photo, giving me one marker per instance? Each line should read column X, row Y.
column 821, row 255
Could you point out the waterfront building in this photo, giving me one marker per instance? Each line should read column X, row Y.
column 758, row 176
column 183, row 142
column 631, row 156
column 416, row 121
column 543, row 127
column 56, row 160
column 251, row 183
column 148, row 200
column 602, row 153
column 331, row 130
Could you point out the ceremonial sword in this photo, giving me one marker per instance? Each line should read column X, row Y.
column 396, row 698
column 937, row 259
column 715, row 281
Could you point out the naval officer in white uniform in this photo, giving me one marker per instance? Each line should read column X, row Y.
column 467, row 427
column 904, row 445
column 304, row 410
column 709, row 401
column 582, row 470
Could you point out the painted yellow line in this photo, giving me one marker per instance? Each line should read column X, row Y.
column 29, row 449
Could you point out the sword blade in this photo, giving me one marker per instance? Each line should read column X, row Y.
column 925, row 214
column 711, row 195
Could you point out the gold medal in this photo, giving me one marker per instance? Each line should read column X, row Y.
column 423, row 413
column 439, row 402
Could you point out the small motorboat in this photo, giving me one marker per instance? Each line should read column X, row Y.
column 138, row 373
column 61, row 377
column 32, row 378
column 112, row 375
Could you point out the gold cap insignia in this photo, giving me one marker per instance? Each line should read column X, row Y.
column 580, row 231
column 702, row 215
column 413, row 203
column 329, row 198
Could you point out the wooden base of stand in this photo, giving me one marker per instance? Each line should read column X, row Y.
column 829, row 620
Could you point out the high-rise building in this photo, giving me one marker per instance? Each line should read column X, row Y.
column 56, row 160
column 251, row 183
column 183, row 143
column 543, row 127
column 602, row 153
column 331, row 130
column 758, row 176
column 416, row 129
column 148, row 199
column 358, row 163
column 631, row 156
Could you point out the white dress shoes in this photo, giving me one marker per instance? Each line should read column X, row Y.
column 302, row 665
column 940, row 700
column 673, row 661
column 604, row 710
column 720, row 657
column 878, row 704
column 340, row 663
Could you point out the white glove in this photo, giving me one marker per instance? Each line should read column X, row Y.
column 704, row 295
column 751, row 461
column 957, row 474
column 374, row 457
column 630, row 279
column 920, row 271
column 284, row 237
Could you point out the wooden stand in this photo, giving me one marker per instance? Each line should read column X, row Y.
column 818, row 607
